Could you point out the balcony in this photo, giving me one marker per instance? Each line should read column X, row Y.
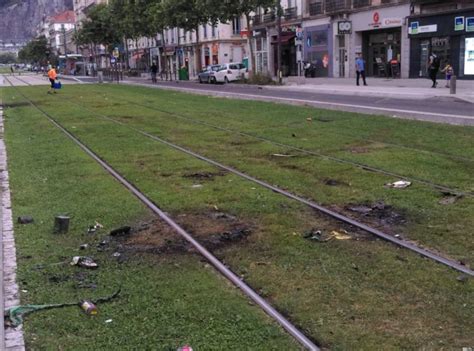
column 316, row 8
column 335, row 6
column 361, row 3
column 290, row 13
column 269, row 17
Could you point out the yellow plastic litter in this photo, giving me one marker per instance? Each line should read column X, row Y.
column 339, row 236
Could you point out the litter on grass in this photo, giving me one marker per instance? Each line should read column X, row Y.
column 317, row 235
column 282, row 155
column 25, row 220
column 401, row 184
column 93, row 228
column 14, row 315
column 84, row 261
column 185, row 348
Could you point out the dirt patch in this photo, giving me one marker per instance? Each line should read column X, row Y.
column 378, row 212
column 359, row 150
column 449, row 198
column 205, row 175
column 17, row 104
column 334, row 182
column 212, row 229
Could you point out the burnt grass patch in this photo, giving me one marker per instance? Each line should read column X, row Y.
column 205, row 175
column 213, row 230
column 379, row 214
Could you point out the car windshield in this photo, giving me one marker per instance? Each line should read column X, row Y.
column 222, row 68
column 215, row 68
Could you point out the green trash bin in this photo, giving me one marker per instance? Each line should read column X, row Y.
column 183, row 74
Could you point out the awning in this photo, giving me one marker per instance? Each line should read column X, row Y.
column 285, row 38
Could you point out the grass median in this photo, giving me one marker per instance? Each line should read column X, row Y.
column 358, row 292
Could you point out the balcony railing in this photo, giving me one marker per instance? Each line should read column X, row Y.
column 334, row 6
column 316, row 8
column 268, row 17
column 290, row 13
column 257, row 20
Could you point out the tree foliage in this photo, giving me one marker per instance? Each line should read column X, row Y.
column 36, row 51
column 7, row 57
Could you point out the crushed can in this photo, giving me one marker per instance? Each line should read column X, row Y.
column 88, row 307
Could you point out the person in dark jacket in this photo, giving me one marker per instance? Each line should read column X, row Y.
column 433, row 68
column 154, row 71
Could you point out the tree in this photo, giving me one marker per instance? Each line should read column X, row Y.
column 98, row 29
column 7, row 57
column 236, row 8
column 36, row 51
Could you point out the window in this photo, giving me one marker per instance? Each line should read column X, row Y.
column 204, row 28
column 236, row 26
column 213, row 31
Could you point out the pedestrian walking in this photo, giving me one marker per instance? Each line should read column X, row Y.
column 360, row 68
column 12, row 70
column 433, row 68
column 52, row 75
column 449, row 71
column 154, row 71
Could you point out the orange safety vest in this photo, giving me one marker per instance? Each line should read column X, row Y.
column 52, row 73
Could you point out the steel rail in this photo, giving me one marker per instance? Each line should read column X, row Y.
column 19, row 79
column 397, row 241
column 246, row 289
column 440, row 187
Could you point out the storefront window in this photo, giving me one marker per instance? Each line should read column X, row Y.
column 469, row 56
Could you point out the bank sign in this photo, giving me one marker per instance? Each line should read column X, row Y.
column 378, row 22
column 415, row 28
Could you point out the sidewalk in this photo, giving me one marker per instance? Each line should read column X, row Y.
column 381, row 87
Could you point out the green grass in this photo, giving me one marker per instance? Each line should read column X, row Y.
column 345, row 294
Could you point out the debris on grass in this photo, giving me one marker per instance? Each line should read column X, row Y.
column 185, row 348
column 88, row 307
column 84, row 261
column 25, row 220
column 283, row 155
column 116, row 254
column 309, row 119
column 195, row 186
column 204, row 175
column 125, row 230
column 449, row 198
column 14, row 315
column 61, row 224
column 462, row 278
column 400, row 184
column 83, row 246
column 384, row 214
column 317, row 235
column 93, row 228
column 108, row 321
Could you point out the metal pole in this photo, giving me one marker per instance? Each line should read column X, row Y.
column 278, row 14
column 452, row 85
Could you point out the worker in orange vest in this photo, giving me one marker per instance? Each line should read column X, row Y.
column 52, row 75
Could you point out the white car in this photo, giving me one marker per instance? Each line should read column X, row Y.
column 229, row 72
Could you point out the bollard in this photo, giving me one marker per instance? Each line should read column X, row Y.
column 61, row 224
column 452, row 85
column 101, row 76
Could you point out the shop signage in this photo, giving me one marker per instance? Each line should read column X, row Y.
column 391, row 22
column 344, row 27
column 469, row 24
column 375, row 20
column 459, row 23
column 415, row 29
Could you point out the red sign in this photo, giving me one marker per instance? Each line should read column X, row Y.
column 376, row 17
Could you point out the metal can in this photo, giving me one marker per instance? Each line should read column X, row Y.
column 89, row 308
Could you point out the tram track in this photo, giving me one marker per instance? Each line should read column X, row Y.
column 439, row 187
column 300, row 337
column 335, row 215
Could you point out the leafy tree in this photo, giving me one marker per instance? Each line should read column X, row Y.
column 229, row 9
column 36, row 51
column 98, row 29
column 7, row 57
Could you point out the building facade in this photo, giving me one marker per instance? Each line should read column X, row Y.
column 445, row 29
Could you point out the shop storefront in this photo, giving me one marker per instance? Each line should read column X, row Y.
column 449, row 36
column 381, row 36
column 289, row 59
column 318, row 48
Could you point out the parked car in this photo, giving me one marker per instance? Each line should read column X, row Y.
column 207, row 75
column 229, row 72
